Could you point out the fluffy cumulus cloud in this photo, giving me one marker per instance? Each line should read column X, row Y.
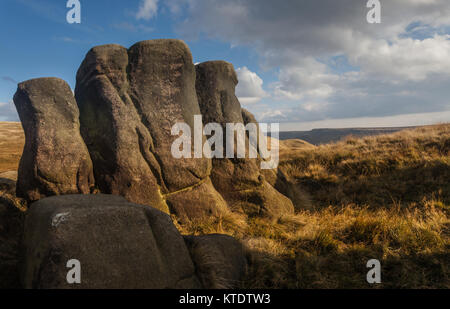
column 309, row 80
column 331, row 62
column 147, row 9
column 8, row 112
column 250, row 88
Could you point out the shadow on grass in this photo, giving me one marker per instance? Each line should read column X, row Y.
column 11, row 227
column 396, row 186
column 330, row 269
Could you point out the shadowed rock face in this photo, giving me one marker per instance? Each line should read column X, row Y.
column 55, row 159
column 118, row 244
column 129, row 100
column 238, row 180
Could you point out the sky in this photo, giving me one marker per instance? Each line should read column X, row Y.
column 303, row 63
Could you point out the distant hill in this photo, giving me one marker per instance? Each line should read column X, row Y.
column 325, row 136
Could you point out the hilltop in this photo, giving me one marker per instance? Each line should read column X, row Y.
column 325, row 136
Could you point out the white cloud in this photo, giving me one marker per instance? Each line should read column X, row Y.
column 250, row 88
column 366, row 122
column 269, row 116
column 404, row 59
column 308, row 80
column 147, row 9
column 400, row 66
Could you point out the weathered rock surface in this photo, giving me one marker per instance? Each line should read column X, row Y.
column 119, row 245
column 219, row 260
column 55, row 159
column 11, row 225
column 129, row 100
column 194, row 203
column 238, row 180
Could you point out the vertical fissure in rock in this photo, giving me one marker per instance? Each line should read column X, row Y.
column 147, row 155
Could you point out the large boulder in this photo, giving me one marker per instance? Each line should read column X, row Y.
column 55, row 159
column 129, row 100
column 219, row 260
column 239, row 181
column 118, row 244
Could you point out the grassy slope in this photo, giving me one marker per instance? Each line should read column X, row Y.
column 384, row 197
column 12, row 140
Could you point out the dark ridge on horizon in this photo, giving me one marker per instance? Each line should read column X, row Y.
column 329, row 135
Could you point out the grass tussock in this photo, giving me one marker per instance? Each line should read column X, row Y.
column 385, row 197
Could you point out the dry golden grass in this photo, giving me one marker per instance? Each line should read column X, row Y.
column 384, row 197
column 381, row 171
column 12, row 140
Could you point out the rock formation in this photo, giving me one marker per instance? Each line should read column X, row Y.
column 55, row 159
column 120, row 245
column 238, row 180
column 129, row 100
column 119, row 130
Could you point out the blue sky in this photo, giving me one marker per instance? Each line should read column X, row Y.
column 303, row 63
column 37, row 41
